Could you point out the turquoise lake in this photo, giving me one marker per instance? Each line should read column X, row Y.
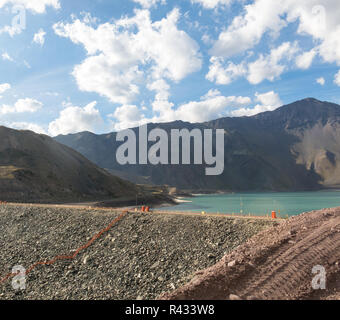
column 285, row 203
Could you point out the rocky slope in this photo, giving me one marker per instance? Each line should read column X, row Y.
column 37, row 168
column 295, row 147
column 140, row 257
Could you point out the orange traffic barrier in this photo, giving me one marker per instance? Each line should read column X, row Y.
column 274, row 215
column 143, row 209
column 147, row 209
column 70, row 257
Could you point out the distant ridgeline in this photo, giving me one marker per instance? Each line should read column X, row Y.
column 296, row 147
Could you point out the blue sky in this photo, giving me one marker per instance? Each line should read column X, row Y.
column 101, row 66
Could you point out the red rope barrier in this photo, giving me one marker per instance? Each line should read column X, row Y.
column 70, row 257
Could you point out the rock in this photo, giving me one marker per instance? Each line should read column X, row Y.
column 155, row 265
column 86, row 259
column 232, row 264
column 234, row 297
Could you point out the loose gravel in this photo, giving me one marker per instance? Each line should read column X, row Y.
column 141, row 257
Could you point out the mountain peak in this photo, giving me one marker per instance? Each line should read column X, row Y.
column 300, row 113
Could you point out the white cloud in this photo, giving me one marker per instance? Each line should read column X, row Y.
column 321, row 81
column 305, row 60
column 75, row 119
column 127, row 116
column 268, row 102
column 212, row 106
column 247, row 30
column 320, row 20
column 149, row 3
column 270, row 67
column 11, row 30
column 21, row 106
column 4, row 87
column 212, row 4
column 337, row 79
column 101, row 74
column 118, row 52
column 224, row 75
column 5, row 56
column 39, row 37
column 27, row 126
column 37, row 6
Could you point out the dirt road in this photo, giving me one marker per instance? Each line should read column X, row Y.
column 275, row 264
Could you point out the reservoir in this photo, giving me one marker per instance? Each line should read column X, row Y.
column 284, row 203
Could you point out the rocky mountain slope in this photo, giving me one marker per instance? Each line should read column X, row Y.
column 37, row 168
column 296, row 147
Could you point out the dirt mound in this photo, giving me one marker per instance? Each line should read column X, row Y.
column 276, row 264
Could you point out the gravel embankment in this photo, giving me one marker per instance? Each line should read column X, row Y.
column 139, row 258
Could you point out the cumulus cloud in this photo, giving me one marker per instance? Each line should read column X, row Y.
column 12, row 31
column 127, row 116
column 27, row 126
column 304, row 61
column 4, row 87
column 212, row 4
column 21, row 106
column 224, row 75
column 270, row 67
column 149, row 3
column 120, row 52
column 262, row 17
column 39, row 37
column 247, row 30
column 321, row 81
column 75, row 119
column 337, row 79
column 36, row 6
column 212, row 106
column 267, row 102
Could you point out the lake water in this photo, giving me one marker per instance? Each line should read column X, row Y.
column 285, row 203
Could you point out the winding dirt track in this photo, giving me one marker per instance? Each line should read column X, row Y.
column 276, row 264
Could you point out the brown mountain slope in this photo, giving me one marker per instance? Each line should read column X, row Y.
column 296, row 147
column 37, row 168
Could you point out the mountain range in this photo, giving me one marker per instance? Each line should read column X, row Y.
column 295, row 147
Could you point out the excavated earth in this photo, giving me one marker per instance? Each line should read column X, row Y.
column 276, row 264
